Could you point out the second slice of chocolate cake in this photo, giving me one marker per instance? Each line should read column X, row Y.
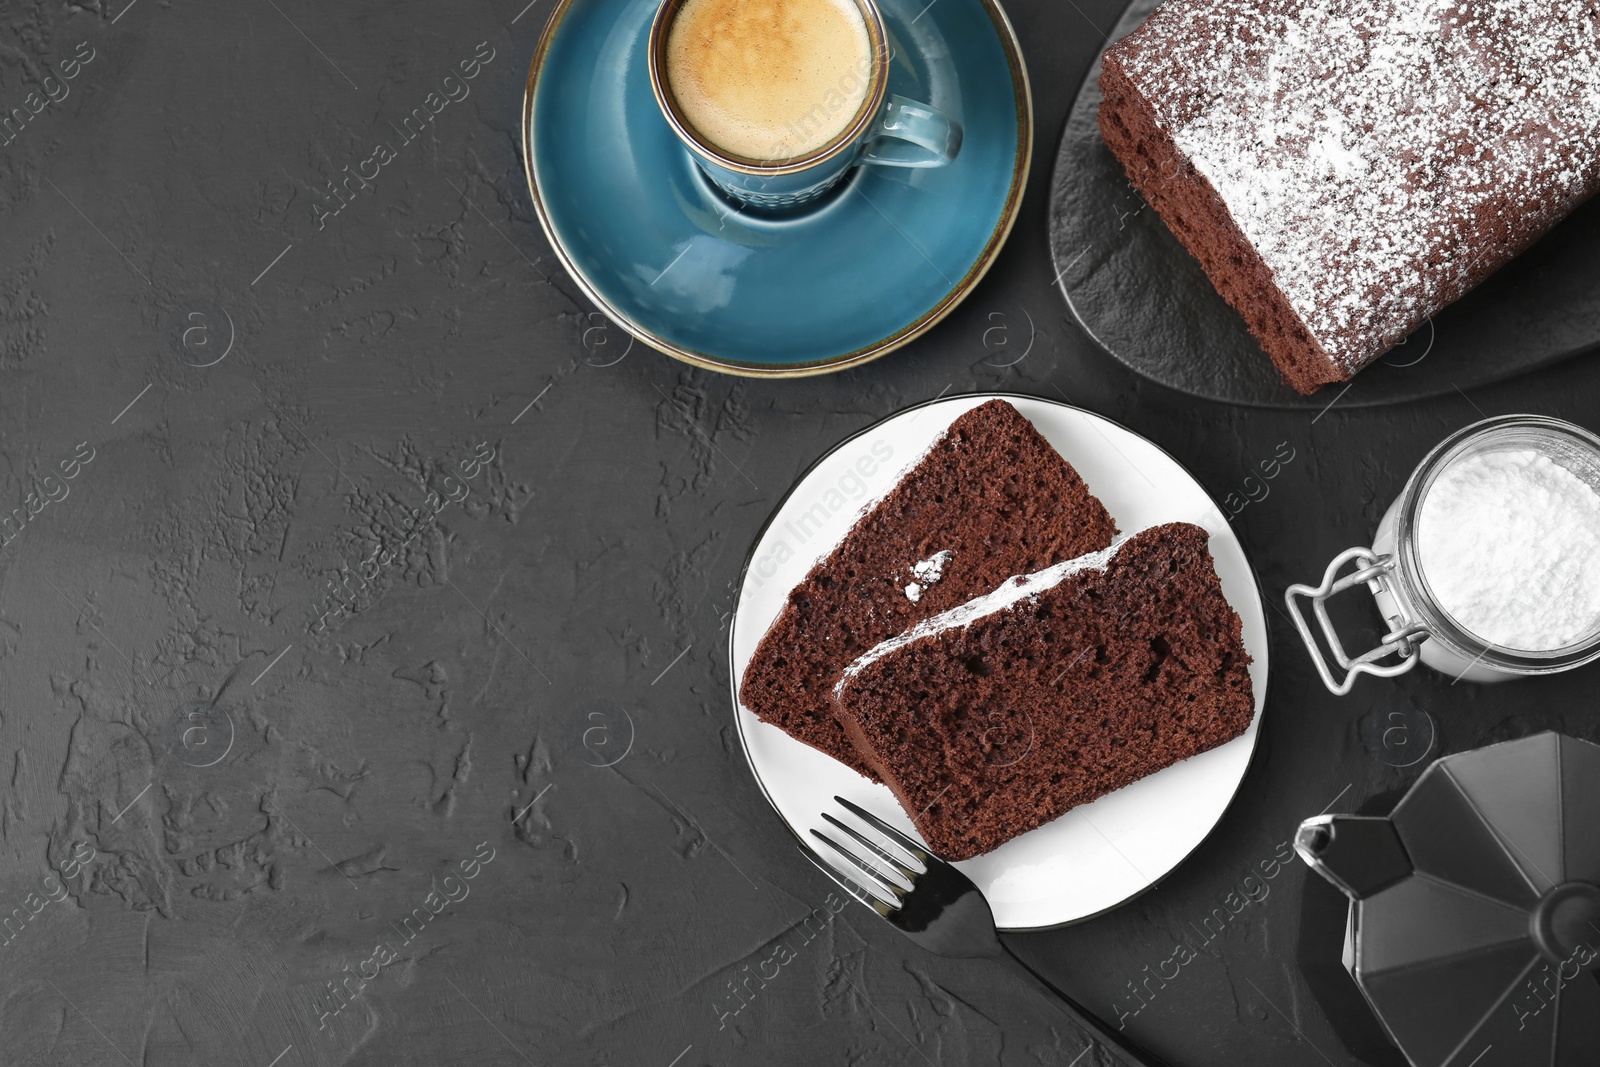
column 1056, row 688
column 989, row 499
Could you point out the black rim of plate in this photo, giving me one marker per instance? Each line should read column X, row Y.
column 1255, row 578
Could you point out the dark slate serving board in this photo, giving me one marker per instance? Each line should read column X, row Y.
column 1146, row 301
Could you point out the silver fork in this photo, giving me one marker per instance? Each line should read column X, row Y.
column 940, row 909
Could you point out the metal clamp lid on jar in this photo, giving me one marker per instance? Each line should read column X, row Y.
column 1403, row 637
column 1419, row 629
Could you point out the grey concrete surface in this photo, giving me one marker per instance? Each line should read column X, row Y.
column 267, row 804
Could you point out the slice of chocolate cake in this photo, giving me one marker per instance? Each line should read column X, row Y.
column 1343, row 169
column 989, row 499
column 1058, row 687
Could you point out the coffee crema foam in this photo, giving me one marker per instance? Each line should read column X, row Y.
column 769, row 79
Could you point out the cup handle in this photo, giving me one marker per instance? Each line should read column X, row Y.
column 909, row 134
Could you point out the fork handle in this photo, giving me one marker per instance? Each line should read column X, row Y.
column 1121, row 1048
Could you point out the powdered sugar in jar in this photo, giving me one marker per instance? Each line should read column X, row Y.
column 1487, row 566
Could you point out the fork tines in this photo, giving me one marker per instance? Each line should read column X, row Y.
column 883, row 883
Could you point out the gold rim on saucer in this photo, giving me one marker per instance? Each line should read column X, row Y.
column 1021, row 92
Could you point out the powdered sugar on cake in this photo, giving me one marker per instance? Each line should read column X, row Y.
column 1378, row 153
column 1013, row 590
column 927, row 572
column 930, row 570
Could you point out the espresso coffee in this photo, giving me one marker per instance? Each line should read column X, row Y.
column 769, row 79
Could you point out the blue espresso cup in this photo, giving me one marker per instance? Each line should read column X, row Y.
column 886, row 130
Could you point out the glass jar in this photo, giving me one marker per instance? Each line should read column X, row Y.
column 1419, row 629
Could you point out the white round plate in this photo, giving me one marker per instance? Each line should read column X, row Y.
column 1095, row 856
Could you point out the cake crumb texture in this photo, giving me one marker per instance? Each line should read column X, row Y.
column 989, row 722
column 991, row 492
column 1368, row 161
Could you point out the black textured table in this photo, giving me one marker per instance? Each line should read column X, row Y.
column 349, row 543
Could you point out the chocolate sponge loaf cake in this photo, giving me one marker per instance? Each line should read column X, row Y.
column 1000, row 715
column 990, row 499
column 1343, row 169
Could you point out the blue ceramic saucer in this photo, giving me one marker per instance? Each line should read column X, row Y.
column 888, row 255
